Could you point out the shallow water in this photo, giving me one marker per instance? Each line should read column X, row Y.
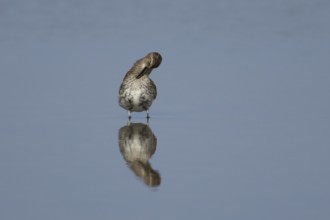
column 240, row 128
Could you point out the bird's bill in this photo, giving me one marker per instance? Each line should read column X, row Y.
column 144, row 71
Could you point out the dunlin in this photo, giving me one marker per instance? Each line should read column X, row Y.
column 138, row 91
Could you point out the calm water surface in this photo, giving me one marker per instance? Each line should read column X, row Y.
column 240, row 128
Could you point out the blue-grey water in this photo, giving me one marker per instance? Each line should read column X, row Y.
column 240, row 128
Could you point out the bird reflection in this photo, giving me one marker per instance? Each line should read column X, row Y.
column 137, row 144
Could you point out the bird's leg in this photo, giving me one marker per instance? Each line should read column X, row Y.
column 129, row 114
column 148, row 119
column 148, row 114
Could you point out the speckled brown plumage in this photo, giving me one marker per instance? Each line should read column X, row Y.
column 138, row 91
